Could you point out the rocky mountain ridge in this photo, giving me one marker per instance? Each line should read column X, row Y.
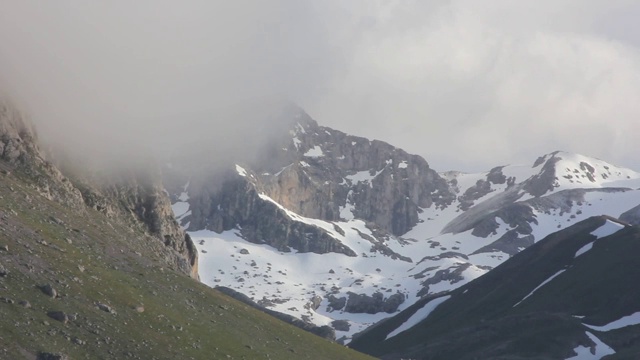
column 351, row 221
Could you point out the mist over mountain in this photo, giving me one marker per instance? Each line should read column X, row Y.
column 452, row 81
column 348, row 168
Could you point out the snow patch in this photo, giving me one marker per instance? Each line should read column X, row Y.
column 609, row 228
column 403, row 165
column 316, row 151
column 363, row 176
column 629, row 320
column 346, row 211
column 296, row 143
column 539, row 286
column 585, row 353
column 180, row 209
column 418, row 316
column 583, row 249
column 241, row 171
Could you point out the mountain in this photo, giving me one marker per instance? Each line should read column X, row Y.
column 94, row 265
column 343, row 231
column 329, row 232
column 572, row 295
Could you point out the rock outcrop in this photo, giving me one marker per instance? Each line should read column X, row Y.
column 136, row 196
column 373, row 304
column 310, row 171
column 331, row 176
column 19, row 152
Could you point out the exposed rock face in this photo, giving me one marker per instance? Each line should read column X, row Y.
column 510, row 243
column 452, row 275
column 142, row 198
column 362, row 303
column 19, row 151
column 138, row 197
column 329, row 172
column 545, row 181
column 238, row 204
column 336, row 303
column 315, row 172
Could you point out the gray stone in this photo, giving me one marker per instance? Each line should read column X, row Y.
column 51, row 356
column 105, row 308
column 373, row 304
column 59, row 316
column 315, row 302
column 341, row 325
column 49, row 290
column 336, row 303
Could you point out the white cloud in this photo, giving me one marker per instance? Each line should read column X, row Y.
column 467, row 84
column 473, row 83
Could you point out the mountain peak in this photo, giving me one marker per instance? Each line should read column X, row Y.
column 572, row 170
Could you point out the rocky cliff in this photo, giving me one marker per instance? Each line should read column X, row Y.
column 142, row 199
column 19, row 151
column 136, row 196
column 318, row 173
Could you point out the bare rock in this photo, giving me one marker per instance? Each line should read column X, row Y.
column 49, row 290
column 362, row 303
column 3, row 271
column 336, row 303
column 314, row 303
column 341, row 325
column 51, row 356
column 58, row 315
column 105, row 308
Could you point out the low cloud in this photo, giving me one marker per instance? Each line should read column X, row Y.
column 466, row 84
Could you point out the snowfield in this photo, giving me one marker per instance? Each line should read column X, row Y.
column 291, row 282
column 597, row 352
column 629, row 320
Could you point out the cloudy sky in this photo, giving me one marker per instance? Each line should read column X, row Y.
column 467, row 84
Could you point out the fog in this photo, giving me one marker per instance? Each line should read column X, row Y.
column 466, row 84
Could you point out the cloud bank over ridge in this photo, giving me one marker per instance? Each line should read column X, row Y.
column 463, row 83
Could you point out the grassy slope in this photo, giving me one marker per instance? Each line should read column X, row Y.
column 600, row 285
column 182, row 319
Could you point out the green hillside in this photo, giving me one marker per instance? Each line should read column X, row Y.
column 119, row 298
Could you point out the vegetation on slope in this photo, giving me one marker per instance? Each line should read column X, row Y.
column 116, row 296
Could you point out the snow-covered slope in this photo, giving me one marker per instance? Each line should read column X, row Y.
column 575, row 291
column 413, row 232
